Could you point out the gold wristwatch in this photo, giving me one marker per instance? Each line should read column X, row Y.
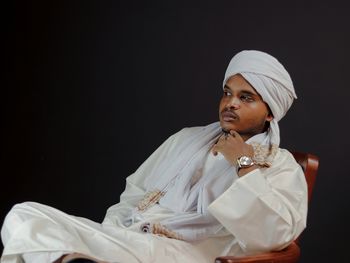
column 244, row 162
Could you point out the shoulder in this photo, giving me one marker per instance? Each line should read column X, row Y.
column 195, row 130
column 285, row 158
column 285, row 170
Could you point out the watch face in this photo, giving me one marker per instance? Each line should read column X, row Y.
column 245, row 161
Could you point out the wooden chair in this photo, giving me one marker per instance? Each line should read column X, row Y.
column 290, row 254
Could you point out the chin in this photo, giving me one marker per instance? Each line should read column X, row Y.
column 227, row 126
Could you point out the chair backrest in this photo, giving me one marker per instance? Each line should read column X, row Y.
column 309, row 163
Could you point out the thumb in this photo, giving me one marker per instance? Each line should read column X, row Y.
column 214, row 151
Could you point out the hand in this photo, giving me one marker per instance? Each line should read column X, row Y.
column 232, row 146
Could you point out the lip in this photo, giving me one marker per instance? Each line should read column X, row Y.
column 229, row 116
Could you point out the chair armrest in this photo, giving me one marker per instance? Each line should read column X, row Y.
column 290, row 254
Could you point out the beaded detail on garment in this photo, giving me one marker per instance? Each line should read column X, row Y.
column 160, row 230
column 264, row 154
column 150, row 199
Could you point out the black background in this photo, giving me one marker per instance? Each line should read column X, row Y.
column 91, row 88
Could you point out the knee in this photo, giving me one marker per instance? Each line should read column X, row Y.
column 18, row 214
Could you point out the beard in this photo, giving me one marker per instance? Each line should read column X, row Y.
column 249, row 131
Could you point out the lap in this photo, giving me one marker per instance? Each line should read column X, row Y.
column 36, row 227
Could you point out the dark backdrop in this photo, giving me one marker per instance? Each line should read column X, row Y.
column 93, row 87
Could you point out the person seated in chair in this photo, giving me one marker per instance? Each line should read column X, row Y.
column 221, row 189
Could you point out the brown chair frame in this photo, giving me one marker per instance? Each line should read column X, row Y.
column 290, row 254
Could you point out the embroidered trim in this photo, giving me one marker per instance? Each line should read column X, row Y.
column 150, row 199
column 264, row 154
column 161, row 230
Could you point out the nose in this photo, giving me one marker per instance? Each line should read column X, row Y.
column 233, row 103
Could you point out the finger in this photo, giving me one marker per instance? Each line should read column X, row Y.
column 233, row 133
column 236, row 135
column 221, row 140
column 217, row 148
column 214, row 152
column 223, row 136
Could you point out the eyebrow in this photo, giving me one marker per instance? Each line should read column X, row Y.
column 248, row 92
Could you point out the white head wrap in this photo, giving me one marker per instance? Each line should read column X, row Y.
column 270, row 79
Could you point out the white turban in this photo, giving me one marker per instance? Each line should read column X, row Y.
column 270, row 79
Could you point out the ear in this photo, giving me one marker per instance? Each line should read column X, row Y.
column 269, row 117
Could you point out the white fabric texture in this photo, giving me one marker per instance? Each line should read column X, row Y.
column 270, row 79
column 263, row 210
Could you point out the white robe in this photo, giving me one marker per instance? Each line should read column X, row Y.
column 264, row 210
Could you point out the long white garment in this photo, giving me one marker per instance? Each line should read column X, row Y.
column 263, row 210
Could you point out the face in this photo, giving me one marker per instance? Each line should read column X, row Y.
column 242, row 108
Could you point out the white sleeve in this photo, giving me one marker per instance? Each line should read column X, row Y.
column 265, row 209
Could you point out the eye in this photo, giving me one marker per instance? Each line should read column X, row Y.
column 247, row 98
column 227, row 93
